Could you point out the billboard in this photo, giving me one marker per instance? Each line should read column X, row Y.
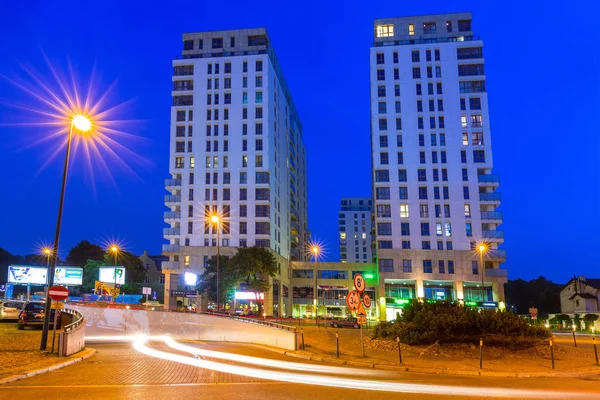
column 26, row 275
column 68, row 276
column 107, row 275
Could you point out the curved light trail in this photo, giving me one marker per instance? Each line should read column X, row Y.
column 139, row 343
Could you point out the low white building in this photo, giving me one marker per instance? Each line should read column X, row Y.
column 580, row 295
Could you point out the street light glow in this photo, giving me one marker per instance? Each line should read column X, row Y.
column 215, row 219
column 47, row 251
column 114, row 249
column 82, row 123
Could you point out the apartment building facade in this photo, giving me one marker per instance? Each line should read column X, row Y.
column 355, row 227
column 236, row 151
column 435, row 197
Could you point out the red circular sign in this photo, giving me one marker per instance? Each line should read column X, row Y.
column 58, row 293
column 353, row 300
column 359, row 283
column 367, row 300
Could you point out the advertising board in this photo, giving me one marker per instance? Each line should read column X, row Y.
column 107, row 275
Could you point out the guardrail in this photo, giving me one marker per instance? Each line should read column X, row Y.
column 253, row 321
column 78, row 319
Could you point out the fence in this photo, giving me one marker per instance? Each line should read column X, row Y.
column 72, row 338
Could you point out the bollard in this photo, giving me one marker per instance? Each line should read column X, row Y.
column 595, row 350
column 480, row 353
column 552, row 353
column 302, row 334
column 574, row 340
column 337, row 344
column 399, row 351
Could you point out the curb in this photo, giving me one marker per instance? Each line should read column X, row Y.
column 87, row 353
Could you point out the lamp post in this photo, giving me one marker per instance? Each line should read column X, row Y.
column 216, row 220
column 115, row 250
column 47, row 253
column 82, row 124
column 482, row 249
column 315, row 252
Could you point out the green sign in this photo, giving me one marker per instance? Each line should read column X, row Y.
column 368, row 275
column 401, row 302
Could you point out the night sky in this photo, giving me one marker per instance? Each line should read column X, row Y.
column 542, row 67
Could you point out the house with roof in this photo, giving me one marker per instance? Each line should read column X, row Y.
column 580, row 295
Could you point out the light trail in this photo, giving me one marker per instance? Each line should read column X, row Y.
column 263, row 362
column 139, row 343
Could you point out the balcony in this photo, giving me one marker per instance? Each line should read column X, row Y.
column 491, row 215
column 490, row 197
column 170, row 248
column 493, row 234
column 172, row 183
column 171, row 198
column 489, row 178
column 171, row 231
column 170, row 265
column 172, row 215
column 496, row 254
column 496, row 273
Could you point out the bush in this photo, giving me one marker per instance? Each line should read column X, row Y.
column 427, row 323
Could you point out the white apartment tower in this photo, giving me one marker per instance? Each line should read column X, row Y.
column 355, row 227
column 435, row 196
column 236, row 149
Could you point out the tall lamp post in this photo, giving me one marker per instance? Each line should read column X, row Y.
column 115, row 250
column 482, row 248
column 47, row 253
column 315, row 252
column 82, row 124
column 216, row 220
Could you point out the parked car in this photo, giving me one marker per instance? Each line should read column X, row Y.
column 33, row 313
column 9, row 310
column 348, row 322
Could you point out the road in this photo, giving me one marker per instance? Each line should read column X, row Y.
column 119, row 371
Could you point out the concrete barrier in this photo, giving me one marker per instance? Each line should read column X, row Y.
column 72, row 338
column 118, row 321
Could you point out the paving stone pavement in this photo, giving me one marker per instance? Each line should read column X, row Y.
column 119, row 364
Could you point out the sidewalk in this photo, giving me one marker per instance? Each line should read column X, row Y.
column 320, row 345
column 21, row 356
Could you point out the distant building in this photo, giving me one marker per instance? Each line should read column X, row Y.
column 355, row 228
column 580, row 295
column 154, row 277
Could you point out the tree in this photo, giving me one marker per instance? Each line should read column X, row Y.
column 84, row 251
column 255, row 265
column 228, row 279
column 6, row 259
column 90, row 275
column 540, row 293
column 589, row 320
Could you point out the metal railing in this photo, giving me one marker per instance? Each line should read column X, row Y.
column 170, row 248
column 171, row 231
column 172, row 214
column 484, row 178
column 78, row 320
column 172, row 182
column 467, row 38
column 490, row 197
column 493, row 234
column 171, row 198
column 491, row 215
column 255, row 321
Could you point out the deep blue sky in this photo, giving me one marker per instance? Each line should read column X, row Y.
column 543, row 71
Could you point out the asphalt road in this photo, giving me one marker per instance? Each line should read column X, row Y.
column 117, row 371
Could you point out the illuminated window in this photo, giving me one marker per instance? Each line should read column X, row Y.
column 384, row 30
column 343, row 235
column 411, row 29
column 463, row 121
column 403, row 210
column 467, row 210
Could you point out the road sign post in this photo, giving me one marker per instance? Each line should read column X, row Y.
column 57, row 293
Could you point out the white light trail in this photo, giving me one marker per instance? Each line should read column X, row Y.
column 140, row 345
column 264, row 362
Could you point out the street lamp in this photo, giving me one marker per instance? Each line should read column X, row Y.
column 216, row 220
column 115, row 250
column 83, row 124
column 482, row 249
column 315, row 251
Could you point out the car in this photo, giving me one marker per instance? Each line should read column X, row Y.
column 348, row 322
column 33, row 313
column 10, row 309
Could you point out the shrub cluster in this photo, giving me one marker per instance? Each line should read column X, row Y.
column 428, row 323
